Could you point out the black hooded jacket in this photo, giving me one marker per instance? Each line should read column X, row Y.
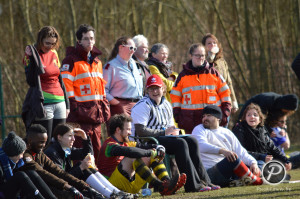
column 257, row 142
column 57, row 155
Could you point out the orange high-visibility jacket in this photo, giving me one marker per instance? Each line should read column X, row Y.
column 83, row 81
column 85, row 86
column 196, row 88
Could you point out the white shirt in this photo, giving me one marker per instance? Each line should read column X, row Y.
column 211, row 141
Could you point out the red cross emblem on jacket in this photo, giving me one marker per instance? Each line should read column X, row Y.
column 187, row 99
column 85, row 89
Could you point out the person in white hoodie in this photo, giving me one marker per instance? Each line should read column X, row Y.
column 222, row 155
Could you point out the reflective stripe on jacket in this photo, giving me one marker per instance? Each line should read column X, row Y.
column 84, row 81
column 195, row 89
column 85, row 87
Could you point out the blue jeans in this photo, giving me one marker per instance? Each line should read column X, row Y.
column 260, row 164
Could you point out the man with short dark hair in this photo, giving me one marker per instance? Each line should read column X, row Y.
column 222, row 155
column 127, row 166
column 82, row 74
column 61, row 183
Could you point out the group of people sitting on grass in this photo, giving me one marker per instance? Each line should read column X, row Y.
column 210, row 158
column 140, row 96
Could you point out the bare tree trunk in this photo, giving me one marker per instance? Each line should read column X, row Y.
column 294, row 28
column 240, row 45
column 189, row 11
column 279, row 28
column 264, row 58
column 214, row 19
column 95, row 18
column 114, row 14
column 12, row 27
column 38, row 7
column 235, row 55
column 285, row 60
column 249, row 58
column 24, row 7
column 137, row 17
column 12, row 85
column 73, row 21
column 239, row 31
column 166, row 24
column 50, row 12
column 269, row 37
column 159, row 21
column 128, row 19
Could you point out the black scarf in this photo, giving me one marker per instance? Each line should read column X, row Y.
column 163, row 69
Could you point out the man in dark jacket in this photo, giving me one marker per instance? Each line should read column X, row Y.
column 270, row 102
column 61, row 183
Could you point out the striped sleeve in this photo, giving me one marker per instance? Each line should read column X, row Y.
column 68, row 74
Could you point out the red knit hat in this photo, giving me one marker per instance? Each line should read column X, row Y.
column 154, row 80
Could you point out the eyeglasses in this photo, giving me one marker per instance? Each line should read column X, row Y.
column 198, row 55
column 130, row 47
column 152, row 89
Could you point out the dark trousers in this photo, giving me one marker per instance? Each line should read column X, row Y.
column 295, row 159
column 187, row 156
column 29, row 184
column 50, row 126
column 94, row 131
column 223, row 172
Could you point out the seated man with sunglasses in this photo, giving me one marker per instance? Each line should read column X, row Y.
column 124, row 81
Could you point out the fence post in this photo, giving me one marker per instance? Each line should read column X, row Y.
column 2, row 105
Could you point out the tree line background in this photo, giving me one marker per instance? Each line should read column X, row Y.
column 260, row 38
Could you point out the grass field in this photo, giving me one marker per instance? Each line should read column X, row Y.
column 283, row 190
